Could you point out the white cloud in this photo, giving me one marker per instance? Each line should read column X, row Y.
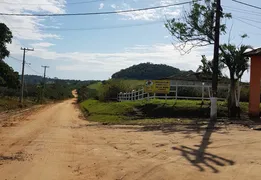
column 29, row 28
column 152, row 14
column 101, row 6
column 112, row 62
column 42, row 44
column 113, row 6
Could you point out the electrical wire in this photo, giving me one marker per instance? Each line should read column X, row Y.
column 28, row 64
column 18, row 60
column 95, row 28
column 248, row 23
column 68, row 3
column 102, row 13
column 9, row 24
column 248, row 19
column 246, row 4
column 34, row 70
column 239, row 10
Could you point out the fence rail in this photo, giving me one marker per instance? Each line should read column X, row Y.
column 174, row 88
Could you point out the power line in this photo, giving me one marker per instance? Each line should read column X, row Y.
column 242, row 11
column 31, row 4
column 248, row 19
column 101, row 13
column 34, row 70
column 94, row 28
column 248, row 23
column 9, row 24
column 246, row 4
column 18, row 60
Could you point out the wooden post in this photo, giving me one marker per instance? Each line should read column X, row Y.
column 148, row 96
column 154, row 96
column 138, row 94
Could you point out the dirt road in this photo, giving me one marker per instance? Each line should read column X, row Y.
column 54, row 144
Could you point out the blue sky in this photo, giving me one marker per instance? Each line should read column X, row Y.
column 102, row 49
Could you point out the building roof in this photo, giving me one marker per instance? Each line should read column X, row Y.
column 255, row 52
column 195, row 77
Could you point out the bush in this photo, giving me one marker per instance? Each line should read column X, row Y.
column 110, row 89
column 85, row 93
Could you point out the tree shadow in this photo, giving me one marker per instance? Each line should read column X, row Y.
column 199, row 157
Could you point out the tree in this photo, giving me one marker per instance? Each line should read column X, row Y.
column 206, row 68
column 8, row 77
column 197, row 27
column 5, row 37
column 237, row 63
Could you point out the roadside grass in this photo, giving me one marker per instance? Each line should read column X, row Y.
column 151, row 112
column 95, row 86
column 11, row 103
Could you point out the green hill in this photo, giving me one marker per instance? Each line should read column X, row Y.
column 145, row 71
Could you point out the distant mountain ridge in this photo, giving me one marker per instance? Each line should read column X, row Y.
column 145, row 71
column 35, row 79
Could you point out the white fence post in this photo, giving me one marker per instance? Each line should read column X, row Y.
column 176, row 91
column 203, row 91
column 141, row 94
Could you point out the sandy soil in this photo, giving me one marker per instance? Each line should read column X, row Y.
column 55, row 144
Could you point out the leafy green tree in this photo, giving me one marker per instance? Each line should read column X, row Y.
column 197, row 27
column 5, row 37
column 206, row 68
column 8, row 77
column 237, row 63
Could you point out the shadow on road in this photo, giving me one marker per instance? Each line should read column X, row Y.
column 199, row 158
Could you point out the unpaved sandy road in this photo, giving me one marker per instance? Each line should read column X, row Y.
column 54, row 144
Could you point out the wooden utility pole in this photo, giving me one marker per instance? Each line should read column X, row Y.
column 213, row 112
column 22, row 81
column 44, row 79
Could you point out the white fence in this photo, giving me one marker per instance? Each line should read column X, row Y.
column 174, row 89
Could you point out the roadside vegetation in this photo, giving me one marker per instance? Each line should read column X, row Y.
column 151, row 112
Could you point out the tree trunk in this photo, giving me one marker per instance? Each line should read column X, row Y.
column 232, row 99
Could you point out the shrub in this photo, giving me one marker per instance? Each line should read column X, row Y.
column 110, row 89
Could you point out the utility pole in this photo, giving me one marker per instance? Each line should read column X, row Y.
column 213, row 113
column 22, row 81
column 45, row 67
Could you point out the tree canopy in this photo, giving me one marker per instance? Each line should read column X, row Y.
column 8, row 77
column 5, row 37
column 145, row 71
column 197, row 27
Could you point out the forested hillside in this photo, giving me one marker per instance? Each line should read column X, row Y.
column 146, row 71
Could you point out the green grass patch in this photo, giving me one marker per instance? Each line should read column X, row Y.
column 95, row 86
column 151, row 112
